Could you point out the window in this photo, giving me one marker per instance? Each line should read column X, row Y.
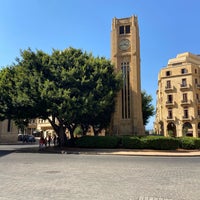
column 170, row 115
column 126, row 110
column 198, row 111
column 169, row 98
column 184, row 82
column 196, row 81
column 124, row 29
column 185, row 112
column 195, row 71
column 32, row 121
column 168, row 84
column 197, row 96
column 183, row 71
column 185, row 97
column 168, row 73
column 127, row 28
column 121, row 30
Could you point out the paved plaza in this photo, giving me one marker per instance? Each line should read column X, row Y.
column 103, row 177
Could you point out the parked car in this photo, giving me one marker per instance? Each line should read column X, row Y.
column 31, row 138
column 26, row 138
column 20, row 137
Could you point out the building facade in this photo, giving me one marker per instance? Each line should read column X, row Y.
column 125, row 55
column 178, row 97
column 40, row 125
column 8, row 132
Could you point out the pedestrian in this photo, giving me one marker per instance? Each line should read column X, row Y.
column 41, row 143
column 45, row 141
column 54, row 140
column 49, row 140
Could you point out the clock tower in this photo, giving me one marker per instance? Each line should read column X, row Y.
column 125, row 56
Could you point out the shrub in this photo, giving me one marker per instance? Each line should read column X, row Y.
column 98, row 142
column 188, row 143
column 150, row 142
column 131, row 142
column 159, row 143
column 134, row 142
column 197, row 143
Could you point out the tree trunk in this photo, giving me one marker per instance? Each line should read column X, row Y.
column 62, row 136
column 60, row 131
column 84, row 129
column 71, row 129
column 95, row 130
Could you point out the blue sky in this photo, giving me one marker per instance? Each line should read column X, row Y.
column 167, row 27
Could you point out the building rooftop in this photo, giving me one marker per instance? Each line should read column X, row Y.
column 186, row 57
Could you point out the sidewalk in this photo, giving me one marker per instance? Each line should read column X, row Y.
column 122, row 152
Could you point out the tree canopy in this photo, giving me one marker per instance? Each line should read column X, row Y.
column 148, row 109
column 69, row 88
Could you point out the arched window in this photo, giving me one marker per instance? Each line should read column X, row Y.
column 171, row 129
column 126, row 111
column 187, row 129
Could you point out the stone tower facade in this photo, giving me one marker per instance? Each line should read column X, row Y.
column 125, row 55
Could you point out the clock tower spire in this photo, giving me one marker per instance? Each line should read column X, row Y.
column 125, row 55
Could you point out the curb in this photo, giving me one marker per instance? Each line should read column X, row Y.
column 121, row 152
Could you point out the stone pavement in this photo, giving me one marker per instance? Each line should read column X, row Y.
column 124, row 152
column 101, row 174
column 45, row 176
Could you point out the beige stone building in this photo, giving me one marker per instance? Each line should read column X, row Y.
column 125, row 55
column 178, row 97
column 38, row 125
column 8, row 132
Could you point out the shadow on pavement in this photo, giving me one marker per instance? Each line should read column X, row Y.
column 5, row 152
column 36, row 149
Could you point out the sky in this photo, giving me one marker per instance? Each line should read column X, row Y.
column 167, row 28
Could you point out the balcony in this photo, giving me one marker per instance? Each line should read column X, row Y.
column 187, row 118
column 185, row 102
column 170, row 118
column 184, row 86
column 32, row 123
column 198, row 86
column 169, row 103
column 169, row 88
column 198, row 101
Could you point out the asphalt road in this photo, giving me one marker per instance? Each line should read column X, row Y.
column 39, row 176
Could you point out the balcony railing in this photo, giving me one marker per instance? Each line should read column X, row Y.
column 198, row 101
column 170, row 118
column 169, row 103
column 184, row 86
column 187, row 118
column 169, row 88
column 185, row 102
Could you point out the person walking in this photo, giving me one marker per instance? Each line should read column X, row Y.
column 41, row 143
column 54, row 140
column 49, row 140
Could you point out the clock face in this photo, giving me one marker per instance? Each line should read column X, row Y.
column 124, row 44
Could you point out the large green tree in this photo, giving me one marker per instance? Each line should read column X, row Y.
column 148, row 109
column 69, row 88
